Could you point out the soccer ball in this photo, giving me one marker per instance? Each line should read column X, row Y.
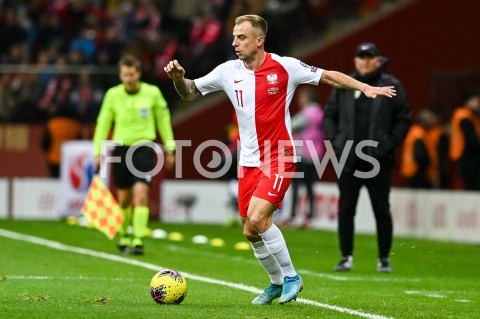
column 168, row 287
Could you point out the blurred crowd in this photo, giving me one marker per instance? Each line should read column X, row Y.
column 58, row 58
column 438, row 153
column 46, row 45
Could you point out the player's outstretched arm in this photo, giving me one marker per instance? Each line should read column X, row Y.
column 343, row 81
column 185, row 88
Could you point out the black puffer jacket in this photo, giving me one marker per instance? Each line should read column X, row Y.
column 389, row 118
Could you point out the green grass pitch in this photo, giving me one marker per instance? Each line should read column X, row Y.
column 55, row 270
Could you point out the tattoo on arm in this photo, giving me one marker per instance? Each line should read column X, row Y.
column 187, row 90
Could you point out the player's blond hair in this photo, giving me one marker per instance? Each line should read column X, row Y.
column 256, row 21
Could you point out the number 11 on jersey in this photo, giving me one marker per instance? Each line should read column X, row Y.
column 239, row 94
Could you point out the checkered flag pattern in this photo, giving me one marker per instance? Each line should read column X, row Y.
column 101, row 209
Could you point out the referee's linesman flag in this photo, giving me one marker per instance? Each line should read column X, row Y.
column 101, row 209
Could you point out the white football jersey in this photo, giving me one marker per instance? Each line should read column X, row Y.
column 261, row 99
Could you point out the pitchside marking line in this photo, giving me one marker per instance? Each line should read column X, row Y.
column 433, row 294
column 16, row 277
column 356, row 278
column 93, row 253
column 185, row 250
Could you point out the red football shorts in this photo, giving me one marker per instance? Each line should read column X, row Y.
column 267, row 182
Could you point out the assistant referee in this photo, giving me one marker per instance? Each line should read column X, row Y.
column 138, row 110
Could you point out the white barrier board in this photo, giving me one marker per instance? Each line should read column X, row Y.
column 432, row 214
column 439, row 215
column 77, row 171
column 4, row 198
column 35, row 198
column 210, row 202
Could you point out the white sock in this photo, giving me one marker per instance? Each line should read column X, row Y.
column 268, row 262
column 276, row 245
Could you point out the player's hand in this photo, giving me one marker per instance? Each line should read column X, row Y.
column 373, row 91
column 174, row 71
column 97, row 164
column 169, row 161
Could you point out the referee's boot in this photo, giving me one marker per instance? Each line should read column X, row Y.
column 137, row 246
column 124, row 244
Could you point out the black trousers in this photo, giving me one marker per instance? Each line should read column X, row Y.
column 379, row 190
column 419, row 181
column 470, row 178
column 310, row 175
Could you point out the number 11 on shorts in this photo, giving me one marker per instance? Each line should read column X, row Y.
column 279, row 180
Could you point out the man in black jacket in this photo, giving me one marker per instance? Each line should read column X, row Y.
column 350, row 116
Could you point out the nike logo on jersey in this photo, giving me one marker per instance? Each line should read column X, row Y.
column 271, row 194
column 237, row 81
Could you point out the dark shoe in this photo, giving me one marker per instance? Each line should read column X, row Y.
column 137, row 250
column 346, row 264
column 124, row 244
column 137, row 246
column 384, row 265
column 124, row 249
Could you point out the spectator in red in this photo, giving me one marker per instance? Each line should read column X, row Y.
column 205, row 40
column 73, row 15
column 57, row 91
column 146, row 19
column 86, row 97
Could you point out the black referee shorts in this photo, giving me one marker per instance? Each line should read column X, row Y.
column 138, row 167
